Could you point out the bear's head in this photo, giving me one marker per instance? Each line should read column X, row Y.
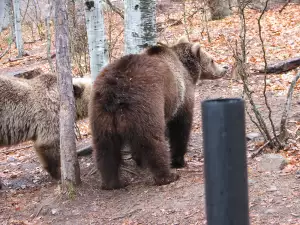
column 199, row 63
column 82, row 90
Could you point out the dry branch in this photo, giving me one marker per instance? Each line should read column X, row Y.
column 115, row 9
column 283, row 131
column 259, row 150
column 87, row 150
column 6, row 51
column 282, row 66
column 279, row 145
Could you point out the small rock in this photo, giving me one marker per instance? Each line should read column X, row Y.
column 250, row 181
column 272, row 188
column 35, row 181
column 14, row 175
column 11, row 159
column 272, row 162
column 23, row 186
column 253, row 135
column 270, row 211
column 54, row 211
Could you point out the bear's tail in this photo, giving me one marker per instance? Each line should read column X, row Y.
column 112, row 105
column 114, row 96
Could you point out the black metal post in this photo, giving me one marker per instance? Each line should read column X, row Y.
column 226, row 181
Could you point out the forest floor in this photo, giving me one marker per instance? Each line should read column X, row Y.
column 30, row 196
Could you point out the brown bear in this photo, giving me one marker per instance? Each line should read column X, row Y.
column 139, row 97
column 30, row 111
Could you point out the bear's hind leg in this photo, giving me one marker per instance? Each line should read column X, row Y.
column 108, row 159
column 50, row 158
column 179, row 133
column 154, row 150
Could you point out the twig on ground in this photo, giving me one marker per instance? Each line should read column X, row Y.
column 6, row 51
column 92, row 171
column 130, row 171
column 129, row 214
column 260, row 149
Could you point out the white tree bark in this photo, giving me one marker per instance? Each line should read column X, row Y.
column 18, row 27
column 69, row 162
column 4, row 13
column 98, row 48
column 11, row 19
column 48, row 34
column 140, row 25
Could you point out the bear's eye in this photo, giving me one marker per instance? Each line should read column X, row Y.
column 211, row 61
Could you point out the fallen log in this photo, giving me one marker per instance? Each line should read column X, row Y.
column 23, row 73
column 282, row 66
column 87, row 150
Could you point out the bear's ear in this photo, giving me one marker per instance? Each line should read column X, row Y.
column 196, row 49
column 183, row 39
column 77, row 91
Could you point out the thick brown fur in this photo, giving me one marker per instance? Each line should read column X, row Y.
column 30, row 111
column 139, row 97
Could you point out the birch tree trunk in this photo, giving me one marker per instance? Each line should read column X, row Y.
column 18, row 27
column 2, row 14
column 11, row 19
column 48, row 35
column 69, row 163
column 140, row 26
column 5, row 7
column 98, row 48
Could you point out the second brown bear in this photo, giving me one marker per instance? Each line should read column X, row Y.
column 139, row 97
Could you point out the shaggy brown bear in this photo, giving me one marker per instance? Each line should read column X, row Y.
column 139, row 97
column 30, row 111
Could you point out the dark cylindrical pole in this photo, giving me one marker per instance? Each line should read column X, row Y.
column 226, row 182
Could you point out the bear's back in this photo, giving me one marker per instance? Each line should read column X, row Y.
column 27, row 106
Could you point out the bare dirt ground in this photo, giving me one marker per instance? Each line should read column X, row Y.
column 30, row 196
column 33, row 198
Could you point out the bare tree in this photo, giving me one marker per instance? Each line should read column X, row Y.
column 140, row 25
column 96, row 36
column 18, row 27
column 69, row 162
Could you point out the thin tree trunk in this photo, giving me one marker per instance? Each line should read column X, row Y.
column 98, row 47
column 5, row 7
column 11, row 19
column 2, row 14
column 140, row 26
column 48, row 33
column 69, row 162
column 18, row 27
